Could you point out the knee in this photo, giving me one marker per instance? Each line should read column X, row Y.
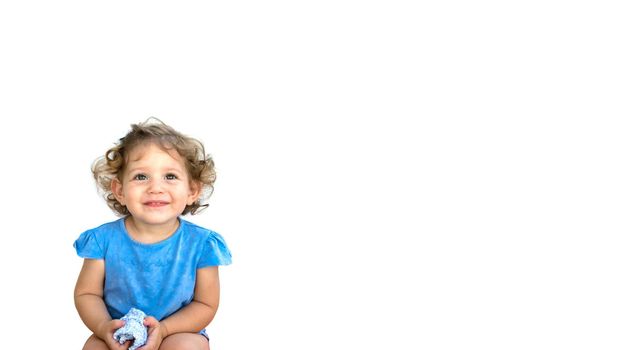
column 94, row 343
column 185, row 341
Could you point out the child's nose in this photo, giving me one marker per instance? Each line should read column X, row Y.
column 155, row 186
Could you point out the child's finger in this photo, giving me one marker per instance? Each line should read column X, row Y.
column 113, row 344
column 150, row 321
column 116, row 324
column 123, row 346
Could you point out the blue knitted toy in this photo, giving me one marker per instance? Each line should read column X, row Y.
column 133, row 329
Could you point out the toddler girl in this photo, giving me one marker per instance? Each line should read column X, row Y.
column 151, row 259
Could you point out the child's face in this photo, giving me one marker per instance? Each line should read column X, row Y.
column 155, row 186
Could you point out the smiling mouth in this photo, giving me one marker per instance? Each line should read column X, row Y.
column 155, row 204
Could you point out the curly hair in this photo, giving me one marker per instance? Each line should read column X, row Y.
column 199, row 165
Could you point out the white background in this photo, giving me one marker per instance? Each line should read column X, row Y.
column 391, row 174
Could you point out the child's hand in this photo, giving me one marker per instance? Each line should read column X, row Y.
column 106, row 333
column 154, row 334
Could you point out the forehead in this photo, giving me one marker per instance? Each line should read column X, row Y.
column 150, row 150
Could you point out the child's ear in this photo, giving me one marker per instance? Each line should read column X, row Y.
column 117, row 190
column 195, row 188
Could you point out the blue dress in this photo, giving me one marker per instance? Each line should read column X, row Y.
column 158, row 278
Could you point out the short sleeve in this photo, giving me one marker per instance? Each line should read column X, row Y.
column 87, row 246
column 215, row 252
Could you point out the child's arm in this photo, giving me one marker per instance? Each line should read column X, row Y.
column 89, row 302
column 200, row 312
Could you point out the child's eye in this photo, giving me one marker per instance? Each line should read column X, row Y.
column 171, row 177
column 140, row 177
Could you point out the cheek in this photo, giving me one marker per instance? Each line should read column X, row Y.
column 132, row 190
